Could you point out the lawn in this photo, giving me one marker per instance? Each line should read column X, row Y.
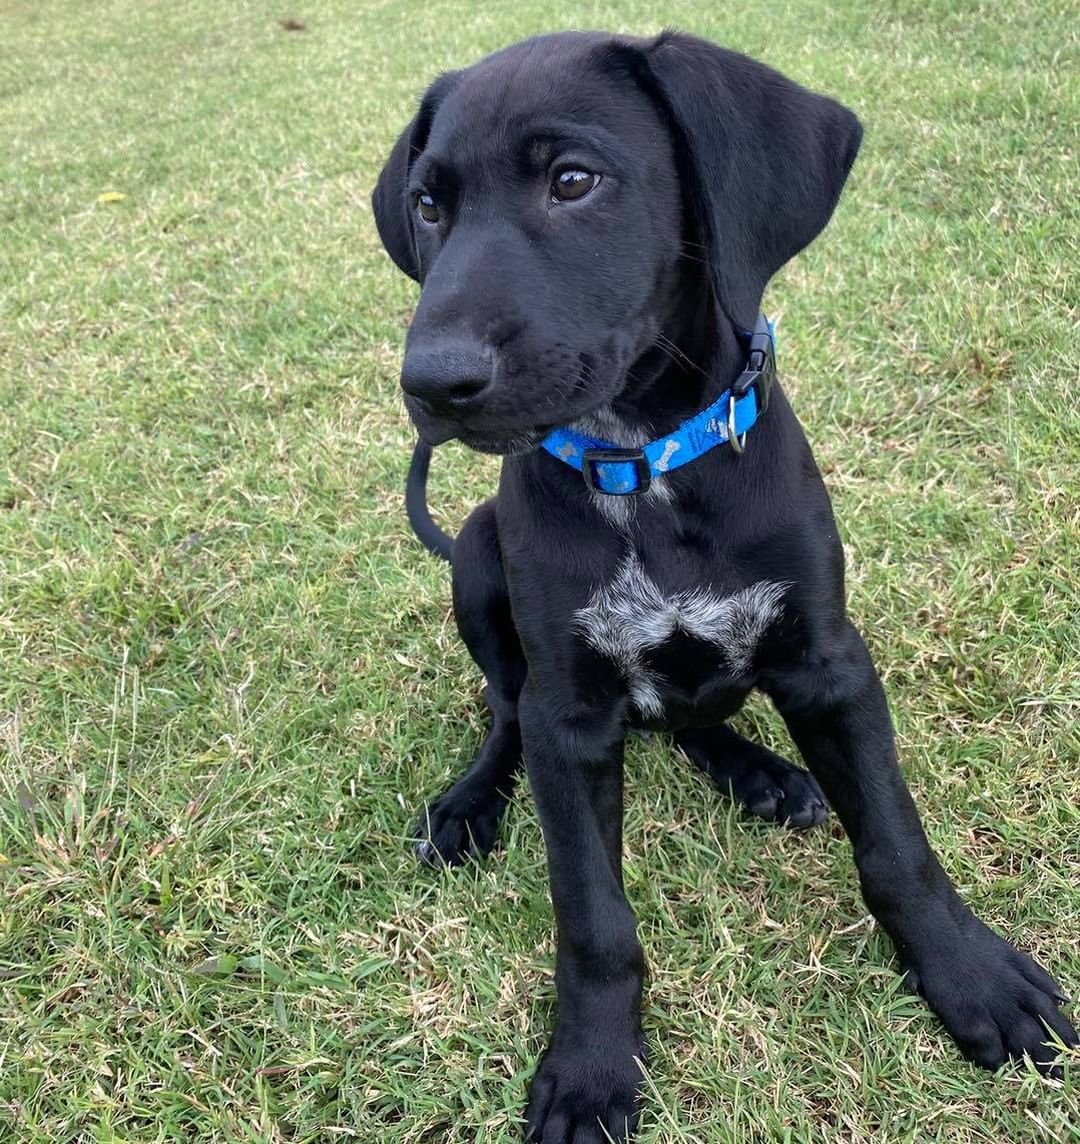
column 230, row 675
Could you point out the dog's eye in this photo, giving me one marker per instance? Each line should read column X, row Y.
column 426, row 208
column 572, row 184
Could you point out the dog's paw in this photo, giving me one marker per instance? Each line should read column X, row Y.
column 784, row 793
column 994, row 1000
column 585, row 1095
column 459, row 825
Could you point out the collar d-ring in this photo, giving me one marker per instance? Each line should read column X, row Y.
column 736, row 442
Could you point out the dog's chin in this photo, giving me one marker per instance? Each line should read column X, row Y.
column 502, row 444
column 497, row 442
column 519, row 441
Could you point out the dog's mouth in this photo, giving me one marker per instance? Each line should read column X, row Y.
column 505, row 432
column 499, row 440
column 503, row 444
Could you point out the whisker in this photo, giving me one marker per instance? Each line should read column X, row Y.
column 666, row 352
column 666, row 345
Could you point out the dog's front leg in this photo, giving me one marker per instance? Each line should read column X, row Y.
column 993, row 999
column 587, row 1081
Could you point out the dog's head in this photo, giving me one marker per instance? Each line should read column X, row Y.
column 558, row 199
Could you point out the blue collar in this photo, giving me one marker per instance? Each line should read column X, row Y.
column 610, row 469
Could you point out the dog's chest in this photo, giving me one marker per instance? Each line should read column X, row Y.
column 684, row 640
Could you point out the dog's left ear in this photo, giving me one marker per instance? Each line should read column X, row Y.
column 390, row 200
column 764, row 160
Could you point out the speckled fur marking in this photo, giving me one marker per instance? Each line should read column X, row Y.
column 630, row 615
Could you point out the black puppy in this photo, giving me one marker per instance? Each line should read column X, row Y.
column 594, row 220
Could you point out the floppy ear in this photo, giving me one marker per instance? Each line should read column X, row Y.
column 390, row 200
column 764, row 160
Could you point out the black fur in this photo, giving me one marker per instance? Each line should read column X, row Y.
column 437, row 542
column 627, row 304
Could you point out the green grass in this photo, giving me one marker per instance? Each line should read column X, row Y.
column 230, row 675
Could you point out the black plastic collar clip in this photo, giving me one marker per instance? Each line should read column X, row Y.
column 760, row 371
column 594, row 459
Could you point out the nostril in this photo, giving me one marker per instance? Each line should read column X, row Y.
column 446, row 376
column 463, row 390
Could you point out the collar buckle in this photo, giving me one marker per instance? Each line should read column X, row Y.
column 595, row 461
column 760, row 371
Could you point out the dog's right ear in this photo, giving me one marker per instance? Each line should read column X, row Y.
column 390, row 200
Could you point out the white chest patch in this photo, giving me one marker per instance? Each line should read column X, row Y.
column 625, row 618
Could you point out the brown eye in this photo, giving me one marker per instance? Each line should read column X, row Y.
column 572, row 184
column 428, row 211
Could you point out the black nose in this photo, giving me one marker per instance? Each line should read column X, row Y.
column 446, row 376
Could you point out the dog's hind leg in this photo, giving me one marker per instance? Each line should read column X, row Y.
column 463, row 821
column 758, row 779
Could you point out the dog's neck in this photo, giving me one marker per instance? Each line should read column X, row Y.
column 694, row 359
